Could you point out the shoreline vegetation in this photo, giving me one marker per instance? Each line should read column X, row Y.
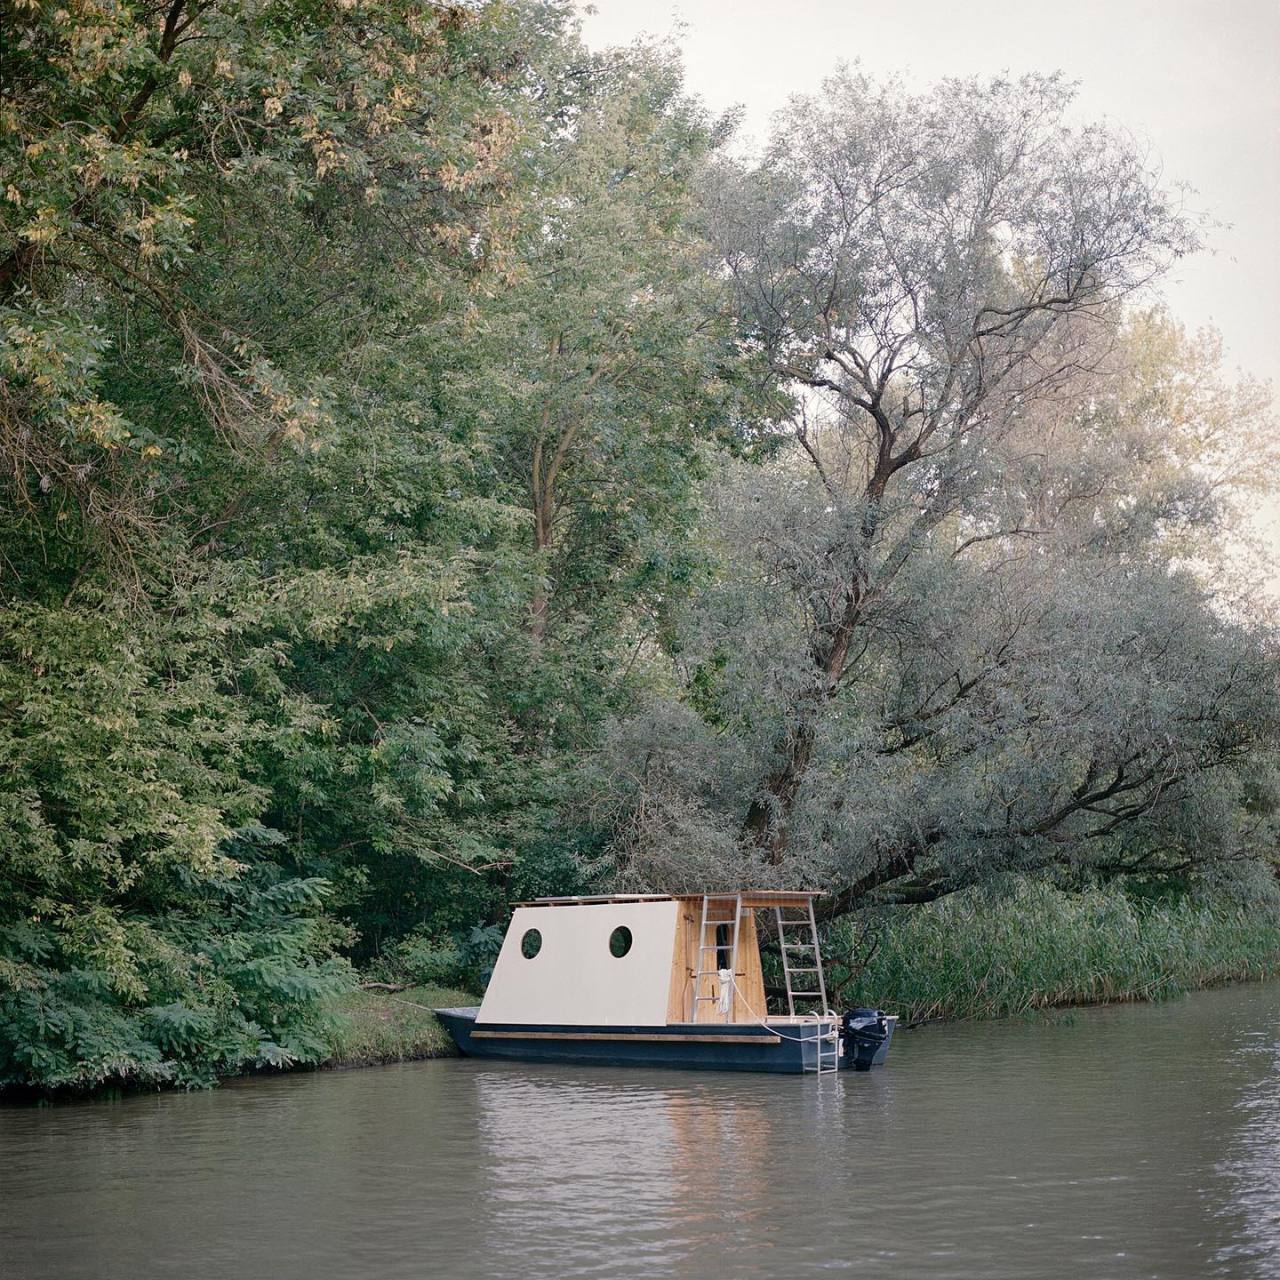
column 965, row 958
column 374, row 1028
column 381, row 1036
column 1034, row 951
column 975, row 957
column 439, row 467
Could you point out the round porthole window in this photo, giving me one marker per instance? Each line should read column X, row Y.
column 620, row 941
column 530, row 944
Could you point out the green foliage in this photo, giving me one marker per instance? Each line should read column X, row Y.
column 407, row 507
column 275, row 286
column 236, row 979
column 188, row 185
column 145, row 935
column 975, row 614
column 1036, row 947
column 463, row 959
column 424, row 960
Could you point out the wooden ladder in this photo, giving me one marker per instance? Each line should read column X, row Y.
column 798, row 936
column 706, row 979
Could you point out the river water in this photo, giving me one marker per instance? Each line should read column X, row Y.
column 1139, row 1141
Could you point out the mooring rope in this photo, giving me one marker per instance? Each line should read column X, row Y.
column 768, row 1026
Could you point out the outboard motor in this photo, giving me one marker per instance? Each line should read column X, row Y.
column 865, row 1034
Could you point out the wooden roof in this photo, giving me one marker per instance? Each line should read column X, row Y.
column 750, row 898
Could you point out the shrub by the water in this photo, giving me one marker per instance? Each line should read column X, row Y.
column 147, row 934
column 196, row 995
column 461, row 961
column 967, row 956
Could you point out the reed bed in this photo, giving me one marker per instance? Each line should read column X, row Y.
column 971, row 956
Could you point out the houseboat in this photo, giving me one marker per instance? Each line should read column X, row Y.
column 672, row 981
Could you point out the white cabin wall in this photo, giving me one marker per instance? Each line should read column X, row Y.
column 574, row 978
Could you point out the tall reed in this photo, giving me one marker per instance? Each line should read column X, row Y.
column 972, row 956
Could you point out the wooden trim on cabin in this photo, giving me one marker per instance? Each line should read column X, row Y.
column 679, row 995
column 748, row 997
column 603, row 899
column 625, row 1035
column 758, row 898
column 749, row 1002
column 750, row 898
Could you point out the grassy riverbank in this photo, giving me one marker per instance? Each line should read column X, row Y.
column 972, row 957
column 372, row 1027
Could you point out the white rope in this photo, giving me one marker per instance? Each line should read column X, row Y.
column 769, row 1026
column 411, row 1003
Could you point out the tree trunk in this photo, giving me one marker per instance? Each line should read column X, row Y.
column 542, row 513
column 770, row 812
column 768, row 816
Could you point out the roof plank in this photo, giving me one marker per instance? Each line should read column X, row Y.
column 750, row 898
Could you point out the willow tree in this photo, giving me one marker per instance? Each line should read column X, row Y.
column 1082, row 695
column 974, row 617
column 923, row 269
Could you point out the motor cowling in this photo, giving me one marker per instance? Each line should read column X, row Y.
column 863, row 1033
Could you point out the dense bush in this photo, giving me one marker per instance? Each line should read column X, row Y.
column 146, row 934
column 235, row 979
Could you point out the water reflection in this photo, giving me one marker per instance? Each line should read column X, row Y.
column 1254, row 1164
column 1119, row 1143
column 659, row 1173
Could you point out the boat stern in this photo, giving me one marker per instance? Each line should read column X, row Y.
column 865, row 1035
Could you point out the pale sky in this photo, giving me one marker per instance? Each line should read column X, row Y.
column 1195, row 81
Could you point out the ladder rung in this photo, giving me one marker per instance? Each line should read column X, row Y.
column 793, row 969
column 806, row 995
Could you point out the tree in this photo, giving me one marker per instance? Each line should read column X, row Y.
column 213, row 215
column 289, row 472
column 915, row 261
column 607, row 360
column 155, row 158
column 976, row 617
column 1033, row 707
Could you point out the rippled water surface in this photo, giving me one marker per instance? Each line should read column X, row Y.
column 1123, row 1142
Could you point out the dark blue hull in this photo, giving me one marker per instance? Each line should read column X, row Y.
column 790, row 1048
